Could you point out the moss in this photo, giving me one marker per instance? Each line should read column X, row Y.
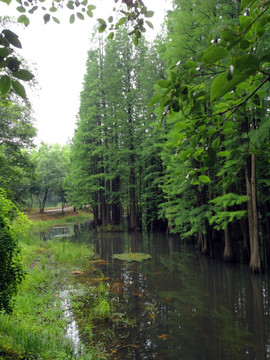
column 132, row 257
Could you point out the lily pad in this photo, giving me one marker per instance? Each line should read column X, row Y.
column 132, row 257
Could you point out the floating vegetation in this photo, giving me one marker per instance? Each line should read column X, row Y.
column 132, row 257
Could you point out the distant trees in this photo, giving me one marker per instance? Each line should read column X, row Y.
column 52, row 167
column 113, row 129
column 16, row 136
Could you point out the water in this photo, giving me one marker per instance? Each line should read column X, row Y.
column 184, row 305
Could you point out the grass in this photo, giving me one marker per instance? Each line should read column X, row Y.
column 37, row 328
column 42, row 222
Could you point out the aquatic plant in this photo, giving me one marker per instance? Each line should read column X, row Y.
column 129, row 257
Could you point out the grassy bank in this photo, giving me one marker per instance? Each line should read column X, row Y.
column 54, row 217
column 38, row 327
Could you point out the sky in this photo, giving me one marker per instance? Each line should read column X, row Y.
column 58, row 54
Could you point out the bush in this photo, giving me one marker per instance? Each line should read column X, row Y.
column 11, row 272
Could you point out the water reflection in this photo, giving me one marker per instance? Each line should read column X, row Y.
column 184, row 305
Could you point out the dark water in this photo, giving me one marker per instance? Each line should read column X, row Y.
column 184, row 305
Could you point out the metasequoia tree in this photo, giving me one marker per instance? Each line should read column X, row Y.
column 210, row 100
column 113, row 126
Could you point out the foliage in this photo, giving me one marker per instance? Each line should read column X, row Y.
column 129, row 257
column 11, row 272
column 107, row 156
column 52, row 162
column 27, row 333
column 11, row 67
column 131, row 12
column 16, row 137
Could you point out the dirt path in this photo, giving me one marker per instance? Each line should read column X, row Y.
column 59, row 210
column 51, row 213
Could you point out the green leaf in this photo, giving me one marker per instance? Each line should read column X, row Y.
column 23, row 75
column 12, row 38
column 213, row 53
column 190, row 64
column 111, row 35
column 110, row 19
column 4, row 52
column 101, row 21
column 46, row 18
column 6, row 1
column 136, row 40
column 224, row 153
column 80, row 16
column 194, row 182
column 70, row 5
column 55, row 19
column 155, row 99
column 23, row 19
column 5, row 84
column 34, row 8
column 149, row 24
column 222, row 86
column 102, row 28
column 13, row 63
column 72, row 19
column 256, row 100
column 121, row 21
column 18, row 89
column 164, row 83
column 90, row 9
column 247, row 61
column 53, row 9
column 21, row 9
column 149, row 14
column 228, row 34
column 244, row 44
column 215, row 143
column 204, row 179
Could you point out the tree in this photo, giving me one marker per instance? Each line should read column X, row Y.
column 11, row 272
column 114, row 124
column 52, row 166
column 213, row 95
column 16, row 136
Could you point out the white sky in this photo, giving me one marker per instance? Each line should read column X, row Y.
column 59, row 53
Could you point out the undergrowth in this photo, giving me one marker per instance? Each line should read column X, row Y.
column 37, row 327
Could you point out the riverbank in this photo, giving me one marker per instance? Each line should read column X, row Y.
column 41, row 324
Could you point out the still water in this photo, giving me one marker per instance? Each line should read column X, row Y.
column 184, row 305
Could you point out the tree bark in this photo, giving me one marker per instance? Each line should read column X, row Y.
column 253, row 220
column 42, row 202
column 228, row 254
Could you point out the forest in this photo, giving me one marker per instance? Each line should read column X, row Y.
column 172, row 135
column 175, row 132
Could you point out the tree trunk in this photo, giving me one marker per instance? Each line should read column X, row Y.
column 95, row 213
column 116, row 206
column 228, row 254
column 42, row 202
column 132, row 197
column 253, row 221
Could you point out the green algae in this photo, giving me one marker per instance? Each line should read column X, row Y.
column 129, row 257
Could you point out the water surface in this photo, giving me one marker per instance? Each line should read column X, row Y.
column 184, row 305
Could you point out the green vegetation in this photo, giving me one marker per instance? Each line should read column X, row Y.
column 129, row 257
column 37, row 328
column 43, row 225
column 172, row 134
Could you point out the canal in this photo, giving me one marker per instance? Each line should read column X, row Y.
column 182, row 304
